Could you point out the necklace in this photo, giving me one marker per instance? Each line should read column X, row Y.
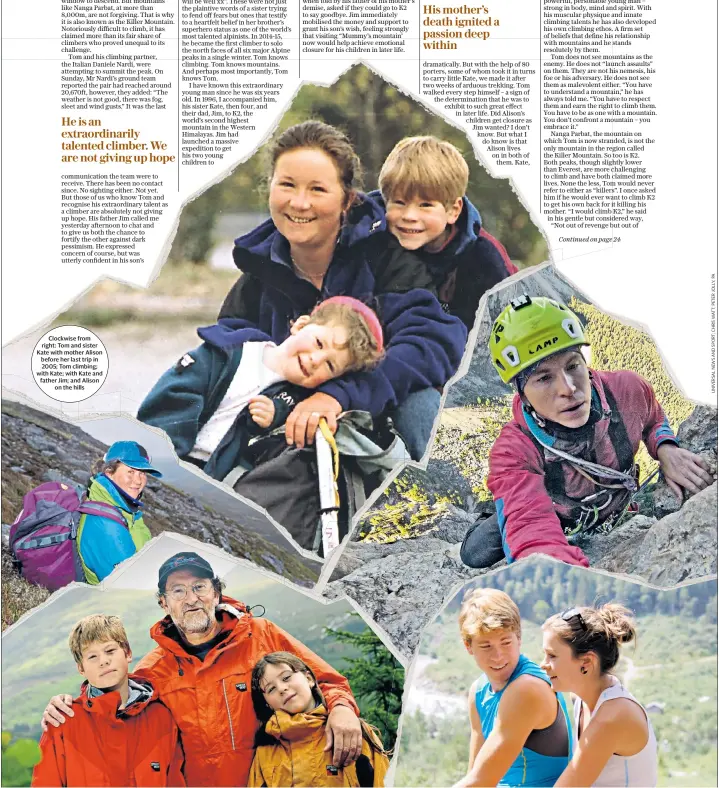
column 307, row 274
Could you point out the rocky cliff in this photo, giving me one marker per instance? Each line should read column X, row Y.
column 404, row 560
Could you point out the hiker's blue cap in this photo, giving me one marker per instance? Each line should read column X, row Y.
column 133, row 455
column 180, row 561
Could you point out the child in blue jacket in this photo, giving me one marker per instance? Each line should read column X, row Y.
column 239, row 383
column 423, row 183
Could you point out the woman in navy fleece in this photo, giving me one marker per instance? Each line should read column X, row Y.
column 324, row 238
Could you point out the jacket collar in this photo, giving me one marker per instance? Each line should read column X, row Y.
column 469, row 226
column 296, row 727
column 575, row 441
column 233, row 616
column 230, row 333
column 95, row 701
column 103, row 489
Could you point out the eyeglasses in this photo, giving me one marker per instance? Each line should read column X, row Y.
column 202, row 588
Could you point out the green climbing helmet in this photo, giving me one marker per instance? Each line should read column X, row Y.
column 530, row 329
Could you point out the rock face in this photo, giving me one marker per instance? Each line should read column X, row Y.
column 680, row 546
column 38, row 448
column 402, row 585
column 698, row 434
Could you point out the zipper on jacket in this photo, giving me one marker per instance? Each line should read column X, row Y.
column 229, row 716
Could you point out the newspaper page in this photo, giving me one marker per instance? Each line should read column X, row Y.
column 508, row 409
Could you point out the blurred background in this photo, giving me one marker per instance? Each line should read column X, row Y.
column 672, row 671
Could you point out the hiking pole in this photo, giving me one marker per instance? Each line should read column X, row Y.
column 328, row 467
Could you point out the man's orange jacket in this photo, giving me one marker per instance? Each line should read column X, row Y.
column 210, row 699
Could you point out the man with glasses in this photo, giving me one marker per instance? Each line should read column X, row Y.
column 207, row 645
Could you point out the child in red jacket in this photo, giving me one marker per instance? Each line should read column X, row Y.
column 120, row 734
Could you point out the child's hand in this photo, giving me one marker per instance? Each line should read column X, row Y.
column 262, row 410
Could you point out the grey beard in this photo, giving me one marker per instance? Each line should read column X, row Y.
column 197, row 625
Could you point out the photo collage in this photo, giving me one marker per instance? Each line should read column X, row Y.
column 372, row 494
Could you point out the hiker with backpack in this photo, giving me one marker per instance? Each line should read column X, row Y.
column 565, row 461
column 324, row 238
column 118, row 480
column 61, row 535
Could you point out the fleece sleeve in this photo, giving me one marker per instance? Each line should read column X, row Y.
column 334, row 686
column 177, row 401
column 52, row 769
column 656, row 429
column 423, row 348
column 104, row 544
column 525, row 511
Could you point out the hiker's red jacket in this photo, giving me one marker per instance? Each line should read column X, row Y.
column 101, row 746
column 518, row 467
column 211, row 700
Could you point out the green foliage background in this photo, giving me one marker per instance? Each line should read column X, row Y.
column 375, row 115
column 18, row 758
column 376, row 678
column 673, row 662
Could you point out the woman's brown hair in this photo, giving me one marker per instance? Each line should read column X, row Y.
column 600, row 630
column 321, row 136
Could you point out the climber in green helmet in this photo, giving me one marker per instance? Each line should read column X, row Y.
column 565, row 461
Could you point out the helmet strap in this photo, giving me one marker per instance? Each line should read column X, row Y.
column 533, row 413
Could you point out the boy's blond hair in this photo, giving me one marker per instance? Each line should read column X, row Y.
column 97, row 628
column 362, row 346
column 424, row 167
column 487, row 610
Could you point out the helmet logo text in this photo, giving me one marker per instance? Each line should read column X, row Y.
column 547, row 343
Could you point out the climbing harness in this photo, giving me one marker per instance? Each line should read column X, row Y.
column 612, row 483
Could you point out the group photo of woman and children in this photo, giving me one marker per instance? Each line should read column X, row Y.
column 348, row 302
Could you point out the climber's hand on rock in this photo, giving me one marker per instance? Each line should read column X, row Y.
column 683, row 470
